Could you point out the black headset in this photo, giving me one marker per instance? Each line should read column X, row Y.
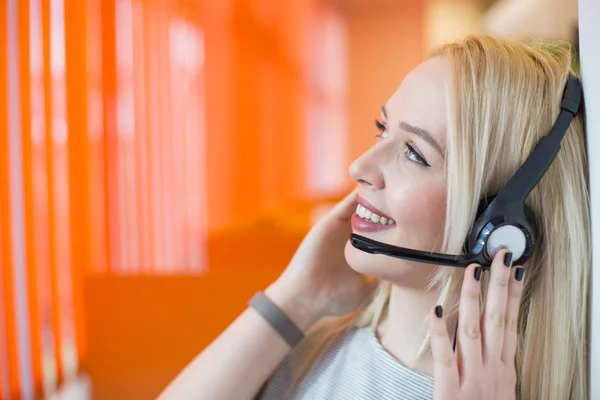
column 503, row 221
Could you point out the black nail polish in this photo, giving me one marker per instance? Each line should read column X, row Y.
column 477, row 273
column 519, row 273
column 438, row 311
column 507, row 259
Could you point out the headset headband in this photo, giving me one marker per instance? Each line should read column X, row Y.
column 538, row 162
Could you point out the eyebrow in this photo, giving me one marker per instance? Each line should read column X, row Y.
column 422, row 133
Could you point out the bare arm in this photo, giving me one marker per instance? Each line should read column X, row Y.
column 241, row 359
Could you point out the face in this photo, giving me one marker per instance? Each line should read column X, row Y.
column 402, row 178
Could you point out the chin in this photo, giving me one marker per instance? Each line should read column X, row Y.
column 384, row 268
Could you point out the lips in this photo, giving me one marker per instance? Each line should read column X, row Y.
column 368, row 218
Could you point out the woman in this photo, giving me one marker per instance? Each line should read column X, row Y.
column 454, row 132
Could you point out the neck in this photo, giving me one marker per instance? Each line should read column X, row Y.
column 405, row 326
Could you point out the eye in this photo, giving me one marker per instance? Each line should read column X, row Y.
column 414, row 156
column 382, row 129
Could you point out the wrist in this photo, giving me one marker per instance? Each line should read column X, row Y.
column 293, row 305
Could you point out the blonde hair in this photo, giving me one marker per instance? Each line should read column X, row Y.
column 504, row 96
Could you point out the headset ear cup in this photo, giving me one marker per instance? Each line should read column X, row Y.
column 483, row 204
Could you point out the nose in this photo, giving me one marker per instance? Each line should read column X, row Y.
column 367, row 172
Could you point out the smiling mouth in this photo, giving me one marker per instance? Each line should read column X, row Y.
column 369, row 216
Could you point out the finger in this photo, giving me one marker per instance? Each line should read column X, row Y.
column 469, row 323
column 515, row 291
column 494, row 314
column 445, row 370
column 346, row 207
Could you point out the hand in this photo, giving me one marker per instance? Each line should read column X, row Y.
column 484, row 364
column 318, row 281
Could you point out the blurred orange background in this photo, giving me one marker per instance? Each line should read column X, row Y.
column 161, row 160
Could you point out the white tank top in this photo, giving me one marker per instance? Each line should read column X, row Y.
column 356, row 366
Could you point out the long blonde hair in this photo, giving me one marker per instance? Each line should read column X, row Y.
column 504, row 96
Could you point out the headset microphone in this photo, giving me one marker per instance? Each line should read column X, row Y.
column 503, row 221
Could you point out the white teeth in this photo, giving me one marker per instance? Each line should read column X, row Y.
column 362, row 211
column 372, row 217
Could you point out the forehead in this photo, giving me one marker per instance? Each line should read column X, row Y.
column 421, row 99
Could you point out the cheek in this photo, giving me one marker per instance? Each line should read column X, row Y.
column 420, row 219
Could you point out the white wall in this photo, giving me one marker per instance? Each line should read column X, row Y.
column 543, row 19
column 589, row 33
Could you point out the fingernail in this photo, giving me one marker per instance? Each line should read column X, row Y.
column 438, row 311
column 507, row 259
column 477, row 273
column 519, row 273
